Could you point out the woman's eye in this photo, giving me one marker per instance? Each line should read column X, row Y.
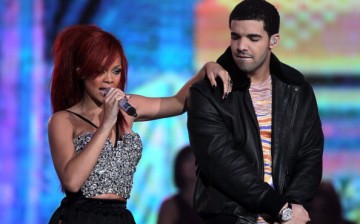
column 117, row 71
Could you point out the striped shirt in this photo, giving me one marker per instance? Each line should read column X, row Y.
column 261, row 95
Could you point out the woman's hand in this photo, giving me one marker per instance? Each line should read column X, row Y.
column 214, row 70
column 111, row 106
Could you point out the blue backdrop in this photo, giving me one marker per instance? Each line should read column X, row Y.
column 165, row 41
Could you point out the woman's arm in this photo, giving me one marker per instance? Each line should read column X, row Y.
column 154, row 108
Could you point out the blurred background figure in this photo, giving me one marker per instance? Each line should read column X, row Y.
column 326, row 206
column 177, row 209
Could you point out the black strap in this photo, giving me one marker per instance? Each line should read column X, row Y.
column 92, row 124
column 116, row 134
column 83, row 118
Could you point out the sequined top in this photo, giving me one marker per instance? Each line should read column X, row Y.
column 115, row 168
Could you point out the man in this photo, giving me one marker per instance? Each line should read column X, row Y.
column 259, row 151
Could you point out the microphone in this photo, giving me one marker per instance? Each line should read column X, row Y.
column 125, row 105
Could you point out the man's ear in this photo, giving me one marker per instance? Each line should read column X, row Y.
column 274, row 40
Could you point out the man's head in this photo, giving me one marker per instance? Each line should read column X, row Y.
column 259, row 10
column 254, row 26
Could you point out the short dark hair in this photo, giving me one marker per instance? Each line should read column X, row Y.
column 259, row 10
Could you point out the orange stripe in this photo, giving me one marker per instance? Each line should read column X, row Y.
column 265, row 134
column 265, row 119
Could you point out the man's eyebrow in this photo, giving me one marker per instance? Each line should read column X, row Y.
column 248, row 35
column 254, row 35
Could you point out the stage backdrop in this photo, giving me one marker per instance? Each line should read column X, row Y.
column 166, row 42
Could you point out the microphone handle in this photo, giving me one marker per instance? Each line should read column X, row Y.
column 126, row 106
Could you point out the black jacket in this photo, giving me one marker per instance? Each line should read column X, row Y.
column 225, row 138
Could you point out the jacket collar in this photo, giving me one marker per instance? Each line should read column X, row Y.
column 282, row 71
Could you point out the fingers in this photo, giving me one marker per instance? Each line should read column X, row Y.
column 211, row 75
column 228, row 84
column 307, row 215
column 113, row 96
column 211, row 70
column 300, row 215
column 214, row 70
column 115, row 93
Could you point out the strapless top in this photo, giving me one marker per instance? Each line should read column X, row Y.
column 115, row 167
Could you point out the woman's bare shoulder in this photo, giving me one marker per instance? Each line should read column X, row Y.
column 60, row 118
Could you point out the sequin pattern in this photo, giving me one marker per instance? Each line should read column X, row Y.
column 115, row 168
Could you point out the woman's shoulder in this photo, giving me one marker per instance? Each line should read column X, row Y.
column 59, row 115
column 59, row 118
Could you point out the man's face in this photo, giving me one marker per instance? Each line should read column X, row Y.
column 250, row 46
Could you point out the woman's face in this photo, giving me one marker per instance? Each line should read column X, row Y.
column 106, row 78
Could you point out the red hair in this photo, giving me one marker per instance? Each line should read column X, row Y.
column 79, row 52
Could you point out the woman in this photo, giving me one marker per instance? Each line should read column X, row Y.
column 93, row 147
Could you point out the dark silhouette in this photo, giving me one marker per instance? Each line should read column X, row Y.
column 326, row 206
column 177, row 209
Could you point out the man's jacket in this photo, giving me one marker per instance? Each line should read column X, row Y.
column 225, row 138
